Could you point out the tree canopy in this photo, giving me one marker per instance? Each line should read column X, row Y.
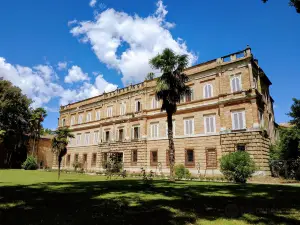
column 293, row 3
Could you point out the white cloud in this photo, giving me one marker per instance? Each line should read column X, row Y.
column 93, row 3
column 62, row 65
column 76, row 74
column 145, row 38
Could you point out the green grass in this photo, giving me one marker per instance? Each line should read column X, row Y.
column 37, row 197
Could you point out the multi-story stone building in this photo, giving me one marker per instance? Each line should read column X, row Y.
column 229, row 109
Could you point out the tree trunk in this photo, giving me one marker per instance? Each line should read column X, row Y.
column 171, row 146
column 59, row 158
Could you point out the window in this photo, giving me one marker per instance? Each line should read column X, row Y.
column 96, row 136
column 174, row 124
column 121, row 134
column 76, row 158
column 109, row 111
column 238, row 120
column 135, row 132
column 87, row 138
column 88, row 117
column 84, row 159
column 261, row 118
column 189, row 126
column 134, row 157
column 211, row 158
column 189, row 158
column 154, row 127
column 98, row 115
column 208, row 91
column 78, row 139
column 154, row 102
column 107, row 136
column 188, row 97
column 210, row 124
column 68, row 161
column 122, row 109
column 63, row 122
column 94, row 158
column 72, row 120
column 241, row 147
column 167, row 157
column 236, row 84
column 153, row 158
column 138, row 106
column 80, row 119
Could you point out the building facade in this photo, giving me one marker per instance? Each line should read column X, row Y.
column 229, row 109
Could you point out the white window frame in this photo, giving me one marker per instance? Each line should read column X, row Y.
column 72, row 120
column 242, row 113
column 210, row 118
column 154, row 103
column 96, row 137
column 88, row 117
column 232, row 78
column 63, row 122
column 139, row 132
column 80, row 118
column 122, row 109
column 174, row 125
column 78, row 139
column 192, row 128
column 154, row 130
column 87, row 137
column 98, row 114
column 136, row 105
column 109, row 112
column 209, row 94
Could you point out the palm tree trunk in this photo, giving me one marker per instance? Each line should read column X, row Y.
column 59, row 163
column 171, row 145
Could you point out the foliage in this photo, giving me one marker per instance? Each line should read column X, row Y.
column 45, row 131
column 30, row 163
column 289, row 143
column 14, row 120
column 170, row 87
column 289, row 169
column 77, row 165
column 293, row 3
column 182, row 172
column 59, row 144
column 295, row 113
column 150, row 76
column 237, row 166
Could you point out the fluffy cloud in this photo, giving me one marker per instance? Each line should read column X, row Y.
column 93, row 3
column 62, row 65
column 76, row 74
column 145, row 37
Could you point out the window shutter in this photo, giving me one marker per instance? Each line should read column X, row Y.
column 212, row 124
column 233, row 86
column 235, row 121
column 238, row 84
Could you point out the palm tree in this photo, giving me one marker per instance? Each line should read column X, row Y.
column 37, row 117
column 171, row 86
column 59, row 144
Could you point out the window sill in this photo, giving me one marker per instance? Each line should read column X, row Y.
column 190, row 165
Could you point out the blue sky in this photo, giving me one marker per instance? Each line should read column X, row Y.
column 107, row 44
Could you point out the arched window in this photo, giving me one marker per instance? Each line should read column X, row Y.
column 208, row 91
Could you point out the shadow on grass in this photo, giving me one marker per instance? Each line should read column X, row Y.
column 132, row 202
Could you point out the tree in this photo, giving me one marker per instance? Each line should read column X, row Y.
column 293, row 3
column 295, row 113
column 150, row 76
column 15, row 114
column 45, row 131
column 171, row 86
column 59, row 144
column 37, row 117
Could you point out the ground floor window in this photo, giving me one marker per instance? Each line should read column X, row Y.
column 94, row 158
column 189, row 158
column 76, row 158
column 211, row 158
column 153, row 158
column 134, row 157
column 241, row 147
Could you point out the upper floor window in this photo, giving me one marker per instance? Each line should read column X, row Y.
column 138, row 106
column 122, row 109
column 78, row 139
column 96, row 136
column 187, row 97
column 72, row 120
column 210, row 124
column 109, row 111
column 173, row 128
column 98, row 115
column 88, row 117
column 135, row 132
column 154, row 127
column 63, row 122
column 261, row 118
column 207, row 91
column 238, row 120
column 80, row 119
column 189, row 126
column 236, row 83
column 87, row 138
column 154, row 104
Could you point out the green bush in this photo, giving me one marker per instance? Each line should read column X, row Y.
column 237, row 166
column 30, row 163
column 77, row 165
column 182, row 172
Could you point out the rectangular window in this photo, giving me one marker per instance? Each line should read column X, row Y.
column 138, row 106
column 76, row 158
column 121, row 134
column 189, row 97
column 107, row 136
column 80, row 119
column 189, row 126
column 88, row 117
column 96, row 136
column 63, row 122
column 261, row 119
column 78, row 139
column 109, row 111
column 84, row 159
column 210, row 124
column 87, row 138
column 94, row 158
column 122, row 109
column 189, row 158
column 153, row 158
column 135, row 132
column 236, row 83
column 72, row 120
column 154, row 127
column 211, row 158
column 241, row 147
column 134, row 157
column 174, row 125
column 154, row 104
column 238, row 120
column 68, row 161
column 98, row 116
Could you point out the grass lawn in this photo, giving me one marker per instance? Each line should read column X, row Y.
column 37, row 197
